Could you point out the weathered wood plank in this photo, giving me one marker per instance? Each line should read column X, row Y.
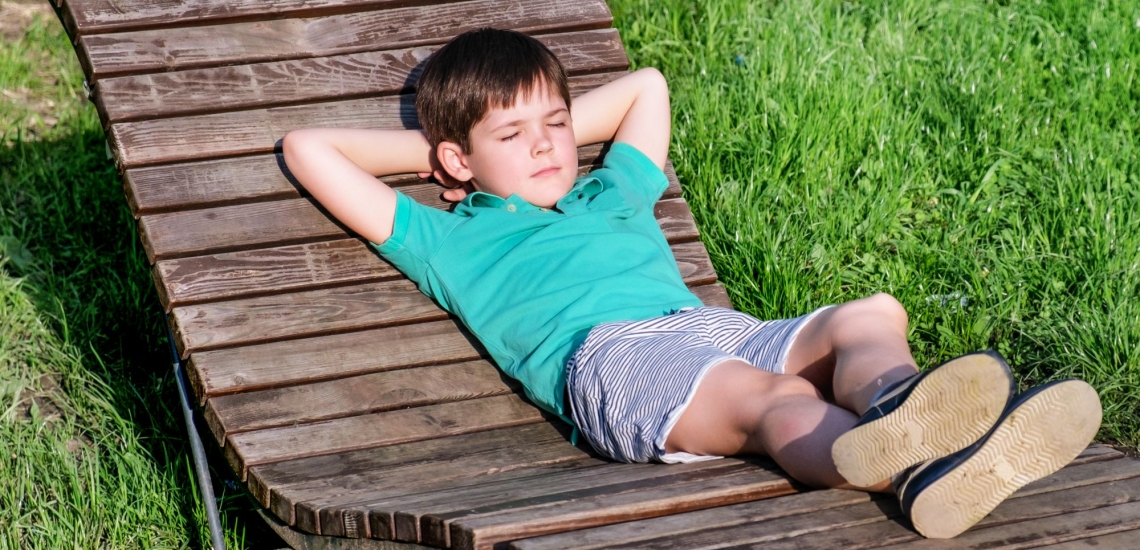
column 402, row 467
column 471, row 531
column 308, row 360
column 429, row 521
column 201, row 137
column 357, row 395
column 399, row 519
column 1089, row 469
column 1069, row 515
column 98, row 16
column 296, row 221
column 376, row 73
column 134, row 52
column 157, row 189
column 712, row 295
column 376, row 430
column 300, row 314
column 1025, row 522
column 809, row 504
column 1123, row 540
column 226, row 276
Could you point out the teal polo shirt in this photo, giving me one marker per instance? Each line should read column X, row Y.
column 530, row 282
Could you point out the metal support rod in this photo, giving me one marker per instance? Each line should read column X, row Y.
column 205, row 484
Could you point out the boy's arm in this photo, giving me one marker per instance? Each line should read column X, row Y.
column 633, row 109
column 339, row 167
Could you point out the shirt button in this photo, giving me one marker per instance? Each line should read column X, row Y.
column 511, row 208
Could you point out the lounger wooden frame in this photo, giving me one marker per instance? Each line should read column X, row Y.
column 349, row 403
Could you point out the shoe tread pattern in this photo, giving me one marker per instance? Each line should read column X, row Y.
column 1038, row 438
column 947, row 411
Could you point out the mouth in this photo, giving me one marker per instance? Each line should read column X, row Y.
column 546, row 172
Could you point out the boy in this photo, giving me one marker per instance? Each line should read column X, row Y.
column 572, row 288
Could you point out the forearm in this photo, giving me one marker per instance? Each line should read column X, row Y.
column 339, row 168
column 633, row 109
column 377, row 152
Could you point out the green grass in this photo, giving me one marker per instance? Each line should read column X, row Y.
column 978, row 160
column 92, row 445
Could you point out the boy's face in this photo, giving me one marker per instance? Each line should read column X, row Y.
column 527, row 149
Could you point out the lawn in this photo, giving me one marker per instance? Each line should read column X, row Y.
column 978, row 160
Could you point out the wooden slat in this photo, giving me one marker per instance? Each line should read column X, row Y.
column 157, row 189
column 216, row 277
column 379, row 508
column 163, row 95
column 254, row 131
column 808, row 504
column 429, row 521
column 472, row 530
column 300, row 314
column 297, row 221
column 1089, row 469
column 134, row 52
column 712, row 295
column 402, row 467
column 318, row 312
column 368, row 393
column 1070, row 515
column 1123, row 540
column 98, row 16
column 309, row 360
column 1073, row 510
column 400, row 519
column 377, row 430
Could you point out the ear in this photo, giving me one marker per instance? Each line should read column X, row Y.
column 453, row 160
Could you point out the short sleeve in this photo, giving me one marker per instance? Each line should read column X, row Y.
column 641, row 175
column 417, row 233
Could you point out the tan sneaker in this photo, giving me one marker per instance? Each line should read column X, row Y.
column 929, row 415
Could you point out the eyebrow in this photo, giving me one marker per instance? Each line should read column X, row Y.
column 520, row 121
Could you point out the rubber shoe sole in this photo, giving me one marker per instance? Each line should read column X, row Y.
column 1038, row 437
column 948, row 410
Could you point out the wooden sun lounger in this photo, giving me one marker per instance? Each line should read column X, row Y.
column 348, row 402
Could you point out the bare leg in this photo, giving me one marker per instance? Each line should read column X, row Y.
column 740, row 409
column 851, row 351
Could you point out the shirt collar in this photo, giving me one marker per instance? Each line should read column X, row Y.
column 585, row 188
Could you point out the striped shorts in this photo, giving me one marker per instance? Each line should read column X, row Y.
column 630, row 381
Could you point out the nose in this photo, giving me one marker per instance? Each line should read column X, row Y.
column 542, row 143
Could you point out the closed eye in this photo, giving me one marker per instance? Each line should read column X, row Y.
column 510, row 137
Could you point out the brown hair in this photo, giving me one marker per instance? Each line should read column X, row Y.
column 476, row 71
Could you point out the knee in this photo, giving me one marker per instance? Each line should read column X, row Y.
column 873, row 311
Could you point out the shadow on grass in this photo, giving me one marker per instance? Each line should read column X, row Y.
column 66, row 229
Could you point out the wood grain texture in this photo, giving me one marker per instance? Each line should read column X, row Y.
column 257, row 178
column 402, row 468
column 264, row 224
column 201, row 137
column 712, row 295
column 365, row 74
column 1025, row 521
column 308, row 360
column 98, row 16
column 300, row 314
column 401, row 519
column 429, row 521
column 471, row 531
column 744, row 523
column 134, row 52
column 666, row 527
column 1122, row 540
column 377, row 429
column 357, row 395
column 276, row 270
